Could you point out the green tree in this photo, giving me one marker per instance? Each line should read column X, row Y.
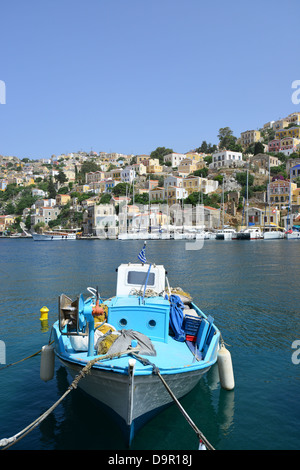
column 159, row 153
column 242, row 179
column 61, row 177
column 203, row 172
column 51, row 189
column 120, row 189
column 105, row 198
column 28, row 222
column 258, row 148
column 9, row 209
column 227, row 140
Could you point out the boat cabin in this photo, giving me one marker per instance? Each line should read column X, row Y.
column 132, row 308
column 133, row 277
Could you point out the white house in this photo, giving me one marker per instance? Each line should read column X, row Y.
column 38, row 192
column 127, row 175
column 174, row 158
column 226, row 158
column 173, row 181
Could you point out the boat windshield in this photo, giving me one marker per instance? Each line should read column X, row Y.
column 139, row 277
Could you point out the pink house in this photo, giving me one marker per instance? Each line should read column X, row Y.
column 274, row 145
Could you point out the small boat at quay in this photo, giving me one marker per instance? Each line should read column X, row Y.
column 253, row 233
column 142, row 342
column 53, row 236
column 226, row 234
column 273, row 233
column 293, row 233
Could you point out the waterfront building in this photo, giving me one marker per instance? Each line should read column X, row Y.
column 99, row 219
column 263, row 217
column 44, row 214
column 6, row 221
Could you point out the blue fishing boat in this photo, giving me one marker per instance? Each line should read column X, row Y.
column 138, row 345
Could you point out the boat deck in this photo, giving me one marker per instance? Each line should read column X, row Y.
column 172, row 357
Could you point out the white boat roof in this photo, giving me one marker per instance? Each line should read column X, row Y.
column 133, row 276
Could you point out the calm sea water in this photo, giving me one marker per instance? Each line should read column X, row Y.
column 252, row 290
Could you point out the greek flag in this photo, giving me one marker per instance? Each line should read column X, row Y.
column 142, row 255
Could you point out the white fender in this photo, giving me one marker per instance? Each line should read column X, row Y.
column 225, row 368
column 47, row 363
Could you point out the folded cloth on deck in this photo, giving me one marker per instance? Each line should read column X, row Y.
column 123, row 342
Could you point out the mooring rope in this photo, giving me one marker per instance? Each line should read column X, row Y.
column 156, row 371
column 8, row 442
column 24, row 359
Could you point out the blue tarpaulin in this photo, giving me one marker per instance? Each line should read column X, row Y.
column 176, row 317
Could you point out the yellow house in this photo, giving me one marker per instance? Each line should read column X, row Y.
column 114, row 174
column 195, row 156
column 154, row 166
column 249, row 137
column 279, row 192
column 291, row 132
column 288, row 143
column 187, row 166
column 141, row 158
column 296, row 196
column 62, row 199
column 157, row 194
column 6, row 221
column 192, row 184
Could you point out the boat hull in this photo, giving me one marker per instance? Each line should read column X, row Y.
column 133, row 401
column 273, row 235
column 293, row 236
column 49, row 237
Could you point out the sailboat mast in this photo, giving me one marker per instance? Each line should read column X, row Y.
column 247, row 198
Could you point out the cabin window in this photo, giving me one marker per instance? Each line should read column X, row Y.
column 139, row 278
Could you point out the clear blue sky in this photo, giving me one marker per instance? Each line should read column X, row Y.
column 128, row 76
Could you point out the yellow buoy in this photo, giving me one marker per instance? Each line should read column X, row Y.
column 44, row 313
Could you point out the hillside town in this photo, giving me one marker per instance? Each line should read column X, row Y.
column 253, row 179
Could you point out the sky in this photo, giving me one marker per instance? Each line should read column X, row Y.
column 129, row 76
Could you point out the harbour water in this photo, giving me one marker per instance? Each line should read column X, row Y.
column 252, row 290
